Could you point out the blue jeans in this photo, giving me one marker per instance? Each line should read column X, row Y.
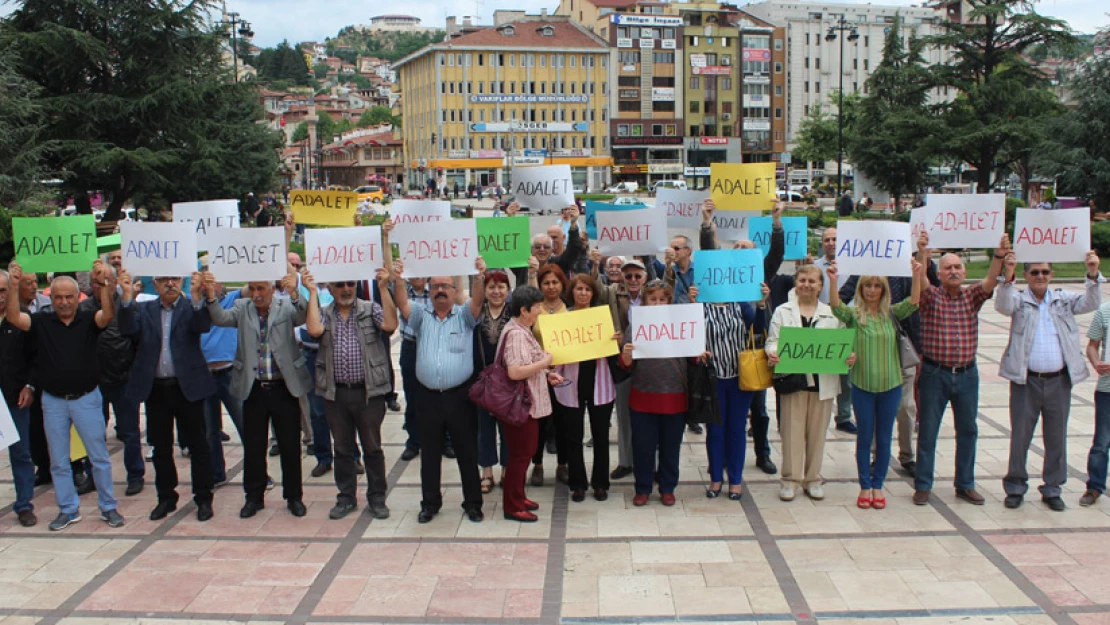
column 1097, row 459
column 489, row 430
column 127, row 424
column 875, row 416
column 85, row 414
column 938, row 386
column 726, row 443
column 23, row 468
column 652, row 434
column 321, row 433
column 213, row 420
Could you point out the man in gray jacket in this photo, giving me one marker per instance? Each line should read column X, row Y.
column 268, row 374
column 1042, row 361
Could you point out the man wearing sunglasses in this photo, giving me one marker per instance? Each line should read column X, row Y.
column 1042, row 361
column 353, row 377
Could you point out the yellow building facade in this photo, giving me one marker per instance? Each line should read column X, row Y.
column 530, row 90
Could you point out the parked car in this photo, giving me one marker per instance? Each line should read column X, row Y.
column 127, row 214
column 791, row 196
column 668, row 184
column 623, row 187
column 370, row 193
column 627, row 201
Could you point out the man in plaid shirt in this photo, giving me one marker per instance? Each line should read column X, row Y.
column 949, row 341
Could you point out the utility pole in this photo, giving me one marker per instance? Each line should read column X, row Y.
column 853, row 35
column 229, row 24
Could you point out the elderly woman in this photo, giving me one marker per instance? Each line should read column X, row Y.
column 524, row 360
column 877, row 375
column 590, row 388
column 805, row 412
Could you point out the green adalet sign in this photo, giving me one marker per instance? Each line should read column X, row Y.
column 44, row 244
column 814, row 350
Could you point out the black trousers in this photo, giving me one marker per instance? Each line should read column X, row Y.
column 271, row 401
column 547, row 428
column 569, row 423
column 165, row 406
column 443, row 412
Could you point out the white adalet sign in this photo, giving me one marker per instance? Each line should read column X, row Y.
column 675, row 331
column 682, row 208
column 419, row 211
column 335, row 254
column 957, row 221
column 1053, row 236
column 445, row 248
column 733, row 225
column 9, row 435
column 873, row 248
column 632, row 232
column 158, row 249
column 546, row 188
column 247, row 254
column 208, row 216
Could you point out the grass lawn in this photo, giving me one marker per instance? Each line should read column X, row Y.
column 978, row 269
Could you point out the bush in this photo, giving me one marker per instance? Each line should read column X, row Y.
column 813, row 217
column 1012, row 204
column 1100, row 238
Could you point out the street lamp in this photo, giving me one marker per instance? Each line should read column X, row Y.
column 244, row 29
column 853, row 35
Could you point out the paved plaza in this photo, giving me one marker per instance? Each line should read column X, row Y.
column 704, row 560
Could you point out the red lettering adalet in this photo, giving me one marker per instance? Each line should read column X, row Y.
column 343, row 254
column 671, row 331
column 625, row 233
column 1064, row 235
column 444, row 249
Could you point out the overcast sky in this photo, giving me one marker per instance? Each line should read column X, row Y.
column 308, row 20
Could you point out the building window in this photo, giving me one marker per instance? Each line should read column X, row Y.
column 805, row 110
column 695, row 106
column 468, row 59
column 442, row 60
column 628, row 106
column 662, row 81
column 662, row 106
column 711, row 58
column 726, row 83
column 573, row 59
column 657, row 130
column 866, row 65
column 637, row 130
column 817, row 87
column 726, row 130
column 622, row 130
column 806, row 84
column 693, row 42
column 726, row 106
column 817, row 63
column 778, row 112
column 867, row 41
column 778, row 44
column 543, row 60
column 450, row 60
column 805, row 63
column 778, row 68
column 695, row 82
column 807, row 39
column 663, row 57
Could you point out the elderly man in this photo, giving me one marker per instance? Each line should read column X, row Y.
column 271, row 378
column 114, row 259
column 1042, row 361
column 352, row 375
column 65, row 366
column 949, row 342
column 444, row 367
column 171, row 375
column 570, row 260
column 32, row 301
column 15, row 375
column 844, row 398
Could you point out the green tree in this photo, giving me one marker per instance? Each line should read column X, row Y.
column 375, row 116
column 282, row 63
column 300, row 133
column 891, row 130
column 816, row 137
column 23, row 152
column 320, row 70
column 1075, row 146
column 991, row 117
column 139, row 99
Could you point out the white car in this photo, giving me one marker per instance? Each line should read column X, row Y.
column 627, row 201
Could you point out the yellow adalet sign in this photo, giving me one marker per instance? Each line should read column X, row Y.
column 323, row 208
column 578, row 335
column 743, row 187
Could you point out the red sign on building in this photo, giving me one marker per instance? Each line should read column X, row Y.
column 714, row 140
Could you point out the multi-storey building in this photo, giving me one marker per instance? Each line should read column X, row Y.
column 762, row 49
column 647, row 74
column 812, row 63
column 528, row 90
column 363, row 155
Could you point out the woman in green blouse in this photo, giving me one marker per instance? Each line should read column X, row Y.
column 877, row 375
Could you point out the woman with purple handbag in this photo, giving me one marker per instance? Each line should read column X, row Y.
column 524, row 359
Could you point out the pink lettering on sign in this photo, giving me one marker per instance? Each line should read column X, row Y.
column 619, row 234
column 683, row 209
column 673, row 331
column 415, row 219
column 343, row 254
column 949, row 221
column 1065, row 235
column 451, row 248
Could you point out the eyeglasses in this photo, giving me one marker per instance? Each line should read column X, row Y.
column 348, row 284
column 1036, row 273
column 654, row 283
column 634, row 276
column 296, row 265
column 168, row 279
column 439, row 286
column 677, row 248
column 541, row 246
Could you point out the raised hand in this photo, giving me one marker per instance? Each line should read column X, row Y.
column 480, row 264
column 512, row 209
column 382, row 276
column 832, row 274
column 707, row 209
column 668, row 256
column 1092, row 262
column 595, row 255
column 210, row 285
column 196, row 282
column 309, row 281
column 387, row 226
column 572, row 210
column 693, row 292
column 15, row 274
column 923, row 241
column 123, row 278
column 289, row 283
column 533, row 264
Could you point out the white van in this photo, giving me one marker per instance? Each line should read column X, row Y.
column 678, row 185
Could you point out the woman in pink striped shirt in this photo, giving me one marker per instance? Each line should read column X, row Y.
column 589, row 386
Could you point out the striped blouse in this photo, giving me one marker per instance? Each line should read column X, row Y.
column 878, row 367
column 726, row 328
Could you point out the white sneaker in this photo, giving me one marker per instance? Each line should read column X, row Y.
column 786, row 492
column 816, row 491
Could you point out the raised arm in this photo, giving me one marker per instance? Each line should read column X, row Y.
column 707, row 237
column 107, row 310
column 1008, row 299
column 996, row 264
column 1091, row 298
column 220, row 317
column 389, row 309
column 831, row 275
column 401, row 290
column 313, row 322
column 478, row 288
column 12, row 313
column 777, row 251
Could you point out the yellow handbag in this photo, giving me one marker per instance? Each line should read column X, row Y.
column 755, row 372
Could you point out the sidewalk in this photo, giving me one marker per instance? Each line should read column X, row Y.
column 704, row 560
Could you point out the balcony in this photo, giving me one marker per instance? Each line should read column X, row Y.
column 756, row 146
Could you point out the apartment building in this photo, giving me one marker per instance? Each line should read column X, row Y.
column 528, row 90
